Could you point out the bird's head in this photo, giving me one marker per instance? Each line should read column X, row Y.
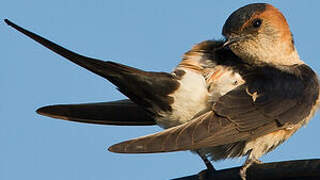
column 259, row 33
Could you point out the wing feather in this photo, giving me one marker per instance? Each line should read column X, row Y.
column 237, row 116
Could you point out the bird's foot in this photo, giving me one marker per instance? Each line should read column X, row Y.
column 257, row 161
column 247, row 164
column 243, row 173
column 205, row 175
column 210, row 172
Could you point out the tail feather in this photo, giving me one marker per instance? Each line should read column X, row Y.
column 123, row 112
column 150, row 90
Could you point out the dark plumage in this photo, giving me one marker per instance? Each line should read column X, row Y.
column 242, row 97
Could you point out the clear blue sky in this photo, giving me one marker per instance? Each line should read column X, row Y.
column 151, row 35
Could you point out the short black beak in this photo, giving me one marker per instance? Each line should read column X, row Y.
column 226, row 43
column 230, row 40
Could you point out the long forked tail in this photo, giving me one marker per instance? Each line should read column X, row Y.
column 150, row 90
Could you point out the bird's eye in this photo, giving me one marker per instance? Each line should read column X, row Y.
column 257, row 23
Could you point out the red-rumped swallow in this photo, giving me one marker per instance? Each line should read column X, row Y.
column 239, row 97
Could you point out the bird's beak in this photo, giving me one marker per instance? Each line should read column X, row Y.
column 231, row 39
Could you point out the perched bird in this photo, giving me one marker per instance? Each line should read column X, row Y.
column 239, row 97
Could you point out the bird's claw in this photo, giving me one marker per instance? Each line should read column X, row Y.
column 248, row 163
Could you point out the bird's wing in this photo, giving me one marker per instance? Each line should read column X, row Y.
column 150, row 90
column 260, row 106
column 122, row 112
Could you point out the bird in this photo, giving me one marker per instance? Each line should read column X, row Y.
column 240, row 96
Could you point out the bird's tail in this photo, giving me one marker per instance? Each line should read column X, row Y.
column 123, row 112
column 149, row 90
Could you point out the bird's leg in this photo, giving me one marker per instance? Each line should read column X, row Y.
column 210, row 172
column 251, row 159
column 206, row 161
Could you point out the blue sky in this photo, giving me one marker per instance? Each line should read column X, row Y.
column 151, row 35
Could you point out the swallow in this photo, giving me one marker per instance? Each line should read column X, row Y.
column 242, row 96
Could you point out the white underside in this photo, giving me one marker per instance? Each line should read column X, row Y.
column 189, row 100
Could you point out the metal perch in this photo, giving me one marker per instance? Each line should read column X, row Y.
column 286, row 170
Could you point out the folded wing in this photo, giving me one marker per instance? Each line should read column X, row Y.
column 258, row 107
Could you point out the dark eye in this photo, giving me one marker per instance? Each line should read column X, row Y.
column 257, row 23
